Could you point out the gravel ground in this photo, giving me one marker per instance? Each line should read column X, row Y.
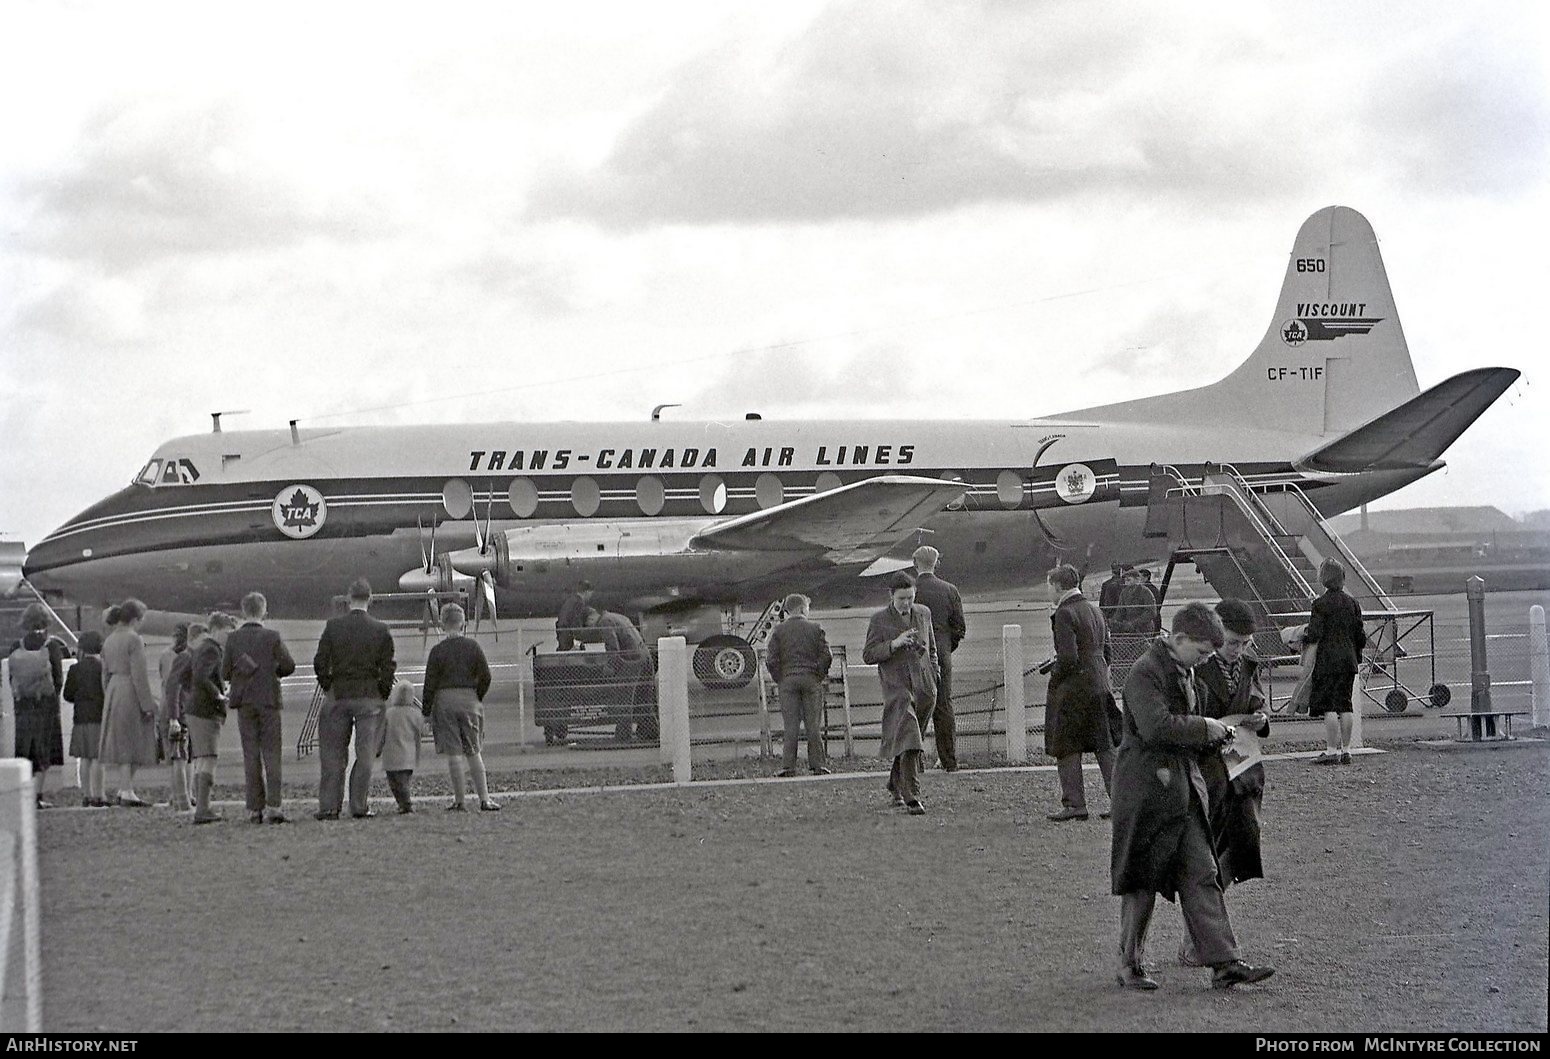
column 1407, row 892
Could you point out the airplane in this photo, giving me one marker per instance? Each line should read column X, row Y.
column 681, row 523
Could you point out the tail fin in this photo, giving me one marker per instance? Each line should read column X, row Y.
column 1334, row 356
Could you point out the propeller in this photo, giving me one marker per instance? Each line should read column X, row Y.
column 486, row 599
column 482, row 534
column 427, row 556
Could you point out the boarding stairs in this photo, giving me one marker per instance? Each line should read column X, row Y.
column 1262, row 544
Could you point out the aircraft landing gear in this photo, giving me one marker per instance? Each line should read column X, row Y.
column 724, row 661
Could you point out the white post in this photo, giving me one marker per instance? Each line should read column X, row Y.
column 7, row 709
column 1539, row 665
column 521, row 695
column 1012, row 681
column 16, row 788
column 673, row 704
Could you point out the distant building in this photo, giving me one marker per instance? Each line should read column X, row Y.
column 1436, row 549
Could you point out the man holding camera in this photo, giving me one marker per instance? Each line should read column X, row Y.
column 901, row 644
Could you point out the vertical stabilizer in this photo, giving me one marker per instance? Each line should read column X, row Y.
column 1334, row 356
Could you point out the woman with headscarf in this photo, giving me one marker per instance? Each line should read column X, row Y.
column 129, row 707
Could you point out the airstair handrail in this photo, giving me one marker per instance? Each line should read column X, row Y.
column 1259, row 526
column 1340, row 545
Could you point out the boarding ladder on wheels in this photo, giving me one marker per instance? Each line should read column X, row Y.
column 1264, row 544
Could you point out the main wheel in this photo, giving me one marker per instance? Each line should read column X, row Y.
column 1440, row 695
column 724, row 662
column 1396, row 701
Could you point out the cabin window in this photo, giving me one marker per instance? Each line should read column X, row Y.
column 650, row 495
column 523, row 497
column 713, row 494
column 150, row 474
column 768, row 491
column 457, row 498
column 585, row 497
column 827, row 481
column 1009, row 489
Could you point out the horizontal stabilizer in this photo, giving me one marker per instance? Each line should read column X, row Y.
column 1418, row 431
column 853, row 523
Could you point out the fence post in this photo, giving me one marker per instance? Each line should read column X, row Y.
column 673, row 704
column 1539, row 665
column 1479, row 670
column 521, row 695
column 22, row 870
column 1012, row 683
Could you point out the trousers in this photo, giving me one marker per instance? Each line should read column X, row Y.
column 801, row 703
column 1200, row 900
column 260, row 731
column 1073, row 789
column 941, row 715
column 340, row 718
column 904, row 778
column 399, row 783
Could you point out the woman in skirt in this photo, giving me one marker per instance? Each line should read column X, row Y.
column 129, row 707
column 83, row 689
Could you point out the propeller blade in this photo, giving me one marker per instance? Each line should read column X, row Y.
column 425, row 560
column 487, row 590
column 483, row 536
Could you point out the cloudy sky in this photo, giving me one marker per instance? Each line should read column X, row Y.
column 576, row 211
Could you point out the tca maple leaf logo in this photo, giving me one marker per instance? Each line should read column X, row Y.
column 299, row 512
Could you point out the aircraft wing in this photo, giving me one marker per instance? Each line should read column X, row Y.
column 854, row 523
column 1418, row 431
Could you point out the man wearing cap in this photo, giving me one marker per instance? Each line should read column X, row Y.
column 354, row 666
column 946, row 606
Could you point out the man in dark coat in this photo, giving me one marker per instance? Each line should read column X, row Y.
column 354, row 665
column 1076, row 716
column 1108, row 592
column 1228, row 685
column 1136, row 614
column 1162, row 828
column 254, row 661
column 901, row 644
column 204, row 708
column 1336, row 627
column 949, row 627
column 573, row 616
column 798, row 660
column 631, row 662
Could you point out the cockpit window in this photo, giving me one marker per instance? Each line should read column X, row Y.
column 150, row 474
column 169, row 474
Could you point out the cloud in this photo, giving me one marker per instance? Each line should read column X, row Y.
column 88, row 309
column 906, row 109
column 152, row 180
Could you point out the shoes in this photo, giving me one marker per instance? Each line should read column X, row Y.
column 491, row 806
column 274, row 816
column 207, row 818
column 898, row 801
column 1237, row 972
column 1067, row 814
column 131, row 802
column 94, row 803
column 324, row 814
column 1189, row 959
column 949, row 768
column 821, row 771
column 916, row 808
column 405, row 810
column 457, row 807
column 785, row 773
column 45, row 805
column 256, row 818
column 367, row 815
column 1345, row 757
column 1136, row 978
column 1328, row 757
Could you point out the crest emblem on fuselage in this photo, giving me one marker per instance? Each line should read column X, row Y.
column 1076, row 483
column 299, row 511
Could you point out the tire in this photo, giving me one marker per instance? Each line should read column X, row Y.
column 1396, row 701
column 724, row 662
column 1440, row 695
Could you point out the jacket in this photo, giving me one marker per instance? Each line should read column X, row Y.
column 354, row 659
column 1157, row 778
column 908, row 675
column 798, row 648
column 1234, row 804
column 1076, row 718
column 207, row 689
column 946, row 607
column 256, row 682
column 1336, row 626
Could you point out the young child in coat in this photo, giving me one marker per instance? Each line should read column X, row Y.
column 402, row 726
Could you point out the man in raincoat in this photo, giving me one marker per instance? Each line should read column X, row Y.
column 901, row 644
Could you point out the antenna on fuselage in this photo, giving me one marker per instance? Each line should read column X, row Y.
column 215, row 417
column 656, row 413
